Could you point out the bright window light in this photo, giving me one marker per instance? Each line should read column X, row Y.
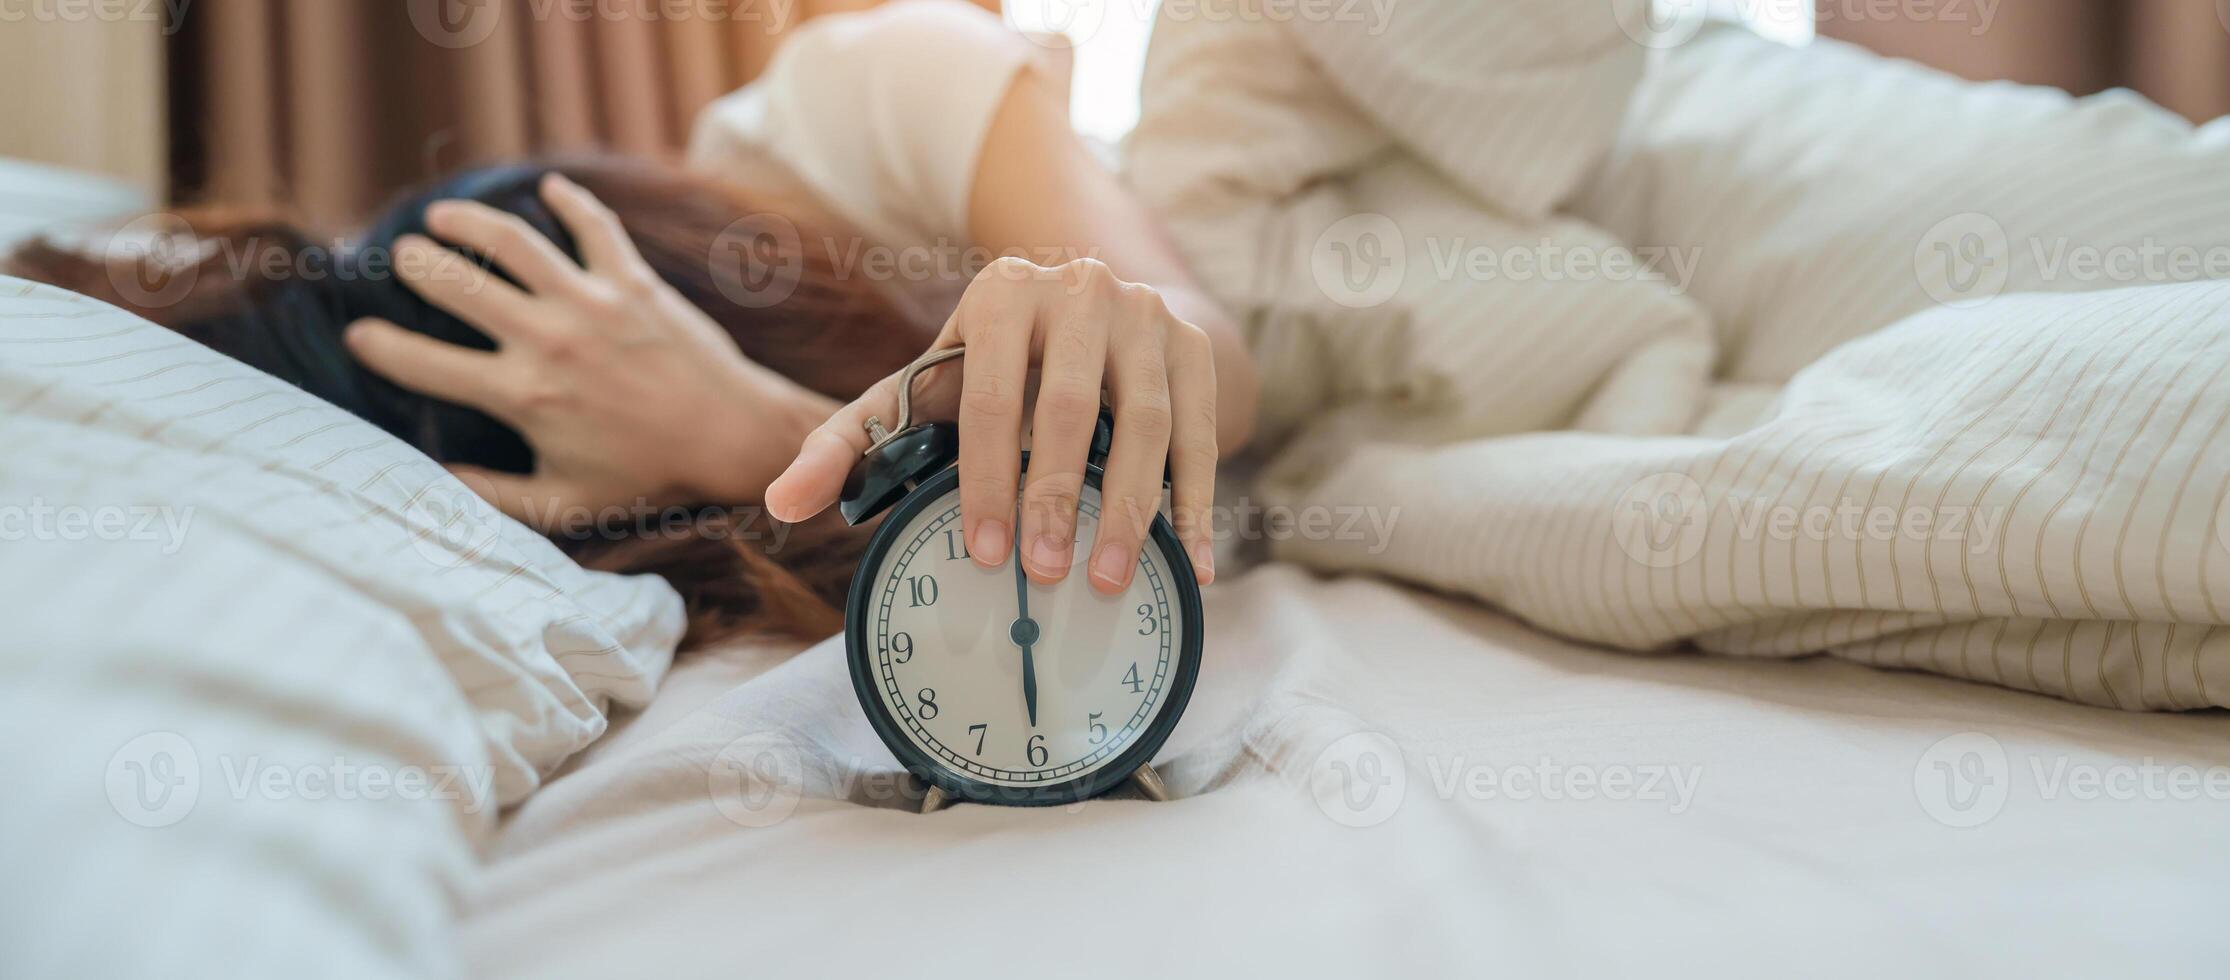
column 1110, row 41
column 1109, row 37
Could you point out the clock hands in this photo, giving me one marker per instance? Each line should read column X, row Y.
column 1025, row 634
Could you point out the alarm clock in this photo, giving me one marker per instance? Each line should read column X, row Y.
column 989, row 687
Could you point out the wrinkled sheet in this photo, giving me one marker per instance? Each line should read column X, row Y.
column 746, row 822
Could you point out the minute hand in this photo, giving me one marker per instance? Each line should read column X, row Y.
column 1026, row 634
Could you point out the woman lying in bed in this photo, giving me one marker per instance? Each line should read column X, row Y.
column 640, row 335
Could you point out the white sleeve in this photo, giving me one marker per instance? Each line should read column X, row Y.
column 882, row 113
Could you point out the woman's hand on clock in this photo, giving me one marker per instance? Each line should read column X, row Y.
column 1080, row 330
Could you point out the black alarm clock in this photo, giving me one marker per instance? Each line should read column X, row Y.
column 989, row 687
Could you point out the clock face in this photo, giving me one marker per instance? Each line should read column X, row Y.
column 1004, row 683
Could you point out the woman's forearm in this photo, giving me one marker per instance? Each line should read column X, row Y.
column 1040, row 193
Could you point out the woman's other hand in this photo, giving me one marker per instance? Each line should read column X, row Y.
column 1081, row 330
column 627, row 392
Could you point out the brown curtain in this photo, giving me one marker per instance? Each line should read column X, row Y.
column 2176, row 52
column 326, row 107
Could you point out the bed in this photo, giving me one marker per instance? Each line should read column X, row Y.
column 1373, row 779
column 1810, row 817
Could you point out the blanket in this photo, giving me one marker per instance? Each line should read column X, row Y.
column 1812, row 353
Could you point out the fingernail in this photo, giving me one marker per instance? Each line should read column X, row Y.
column 1204, row 565
column 1050, row 553
column 989, row 544
column 1112, row 567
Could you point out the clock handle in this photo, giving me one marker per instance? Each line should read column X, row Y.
column 875, row 428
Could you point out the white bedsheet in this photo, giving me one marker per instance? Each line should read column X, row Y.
column 1806, row 842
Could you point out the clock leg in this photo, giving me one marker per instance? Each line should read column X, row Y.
column 1149, row 783
column 932, row 800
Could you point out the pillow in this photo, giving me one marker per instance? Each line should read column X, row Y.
column 1829, row 192
column 270, row 672
column 40, row 200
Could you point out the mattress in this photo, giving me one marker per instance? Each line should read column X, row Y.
column 1374, row 781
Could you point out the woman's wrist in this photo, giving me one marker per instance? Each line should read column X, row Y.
column 761, row 430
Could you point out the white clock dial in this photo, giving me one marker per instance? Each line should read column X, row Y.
column 945, row 648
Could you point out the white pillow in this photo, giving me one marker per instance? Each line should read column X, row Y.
column 37, row 200
column 1829, row 192
column 270, row 672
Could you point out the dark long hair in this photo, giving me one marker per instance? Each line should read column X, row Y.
column 268, row 294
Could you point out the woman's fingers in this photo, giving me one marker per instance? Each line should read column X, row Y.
column 1192, row 445
column 605, row 246
column 1130, row 490
column 428, row 366
column 816, row 476
column 992, row 379
column 450, row 281
column 513, row 245
column 1072, row 363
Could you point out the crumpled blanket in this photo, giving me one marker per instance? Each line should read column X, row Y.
column 1657, row 336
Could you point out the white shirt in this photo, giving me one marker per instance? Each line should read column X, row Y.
column 881, row 114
